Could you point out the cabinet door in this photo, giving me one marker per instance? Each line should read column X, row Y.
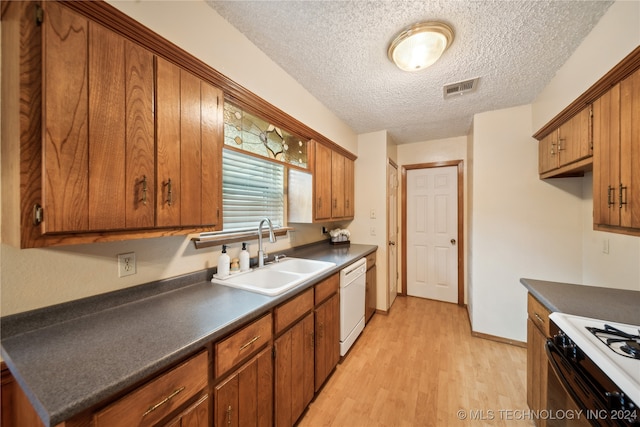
column 98, row 151
column 327, row 339
column 337, row 185
column 65, row 101
column 196, row 415
column 322, row 180
column 548, row 153
column 606, row 157
column 245, row 398
column 294, row 371
column 189, row 123
column 168, row 143
column 629, row 187
column 537, row 369
column 574, row 138
column 370, row 293
column 349, row 188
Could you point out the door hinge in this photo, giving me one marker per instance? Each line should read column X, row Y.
column 39, row 15
column 38, row 214
column 273, row 352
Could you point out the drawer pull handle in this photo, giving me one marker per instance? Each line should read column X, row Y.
column 538, row 317
column 250, row 342
column 163, row 401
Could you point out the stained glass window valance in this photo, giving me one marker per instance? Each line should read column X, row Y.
column 247, row 132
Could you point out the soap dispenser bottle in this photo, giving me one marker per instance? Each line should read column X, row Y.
column 223, row 263
column 244, row 258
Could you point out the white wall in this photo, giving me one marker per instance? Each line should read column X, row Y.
column 371, row 194
column 35, row 278
column 613, row 38
column 521, row 226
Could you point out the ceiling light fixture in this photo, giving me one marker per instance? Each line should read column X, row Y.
column 420, row 45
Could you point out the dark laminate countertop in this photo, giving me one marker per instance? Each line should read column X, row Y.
column 615, row 305
column 70, row 357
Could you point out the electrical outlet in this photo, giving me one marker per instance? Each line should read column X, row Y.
column 126, row 264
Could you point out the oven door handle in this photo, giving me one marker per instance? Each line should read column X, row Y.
column 552, row 349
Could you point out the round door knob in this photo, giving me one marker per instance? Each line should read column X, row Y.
column 453, row 241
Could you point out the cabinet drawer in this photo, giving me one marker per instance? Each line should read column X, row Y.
column 242, row 344
column 539, row 314
column 327, row 288
column 293, row 309
column 158, row 398
column 371, row 260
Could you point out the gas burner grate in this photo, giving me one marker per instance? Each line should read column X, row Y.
column 618, row 341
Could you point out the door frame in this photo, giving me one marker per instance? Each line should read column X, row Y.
column 403, row 228
column 391, row 163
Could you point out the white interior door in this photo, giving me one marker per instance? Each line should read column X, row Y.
column 432, row 233
column 392, row 232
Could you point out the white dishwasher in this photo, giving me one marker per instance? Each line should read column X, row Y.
column 352, row 291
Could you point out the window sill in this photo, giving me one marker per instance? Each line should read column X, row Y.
column 241, row 236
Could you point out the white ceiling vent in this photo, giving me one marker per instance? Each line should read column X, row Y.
column 460, row 88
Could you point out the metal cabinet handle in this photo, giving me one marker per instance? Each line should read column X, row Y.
column 254, row 339
column 538, row 317
column 144, row 190
column 229, row 415
column 610, row 196
column 620, row 197
column 169, row 193
column 163, row 401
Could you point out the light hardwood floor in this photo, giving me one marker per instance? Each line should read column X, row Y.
column 420, row 366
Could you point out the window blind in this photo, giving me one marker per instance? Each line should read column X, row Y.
column 252, row 189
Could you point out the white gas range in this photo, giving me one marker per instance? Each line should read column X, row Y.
column 598, row 363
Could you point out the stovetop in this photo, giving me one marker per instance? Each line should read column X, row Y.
column 611, row 357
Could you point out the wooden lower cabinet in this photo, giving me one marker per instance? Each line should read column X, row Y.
column 16, row 408
column 196, row 415
column 327, row 340
column 371, row 290
column 537, row 362
column 245, row 397
column 252, row 378
column 294, row 375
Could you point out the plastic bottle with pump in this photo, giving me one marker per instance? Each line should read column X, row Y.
column 244, row 258
column 223, row 263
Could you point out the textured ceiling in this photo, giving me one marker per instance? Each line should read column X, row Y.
column 337, row 50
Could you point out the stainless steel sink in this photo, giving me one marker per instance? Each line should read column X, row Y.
column 274, row 279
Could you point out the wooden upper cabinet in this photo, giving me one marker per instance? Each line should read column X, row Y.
column 189, row 123
column 337, row 185
column 65, row 110
column 322, row 179
column 616, row 176
column 334, row 184
column 567, row 147
column 630, row 152
column 606, row 158
column 98, row 149
column 575, row 138
column 349, row 188
column 548, row 153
